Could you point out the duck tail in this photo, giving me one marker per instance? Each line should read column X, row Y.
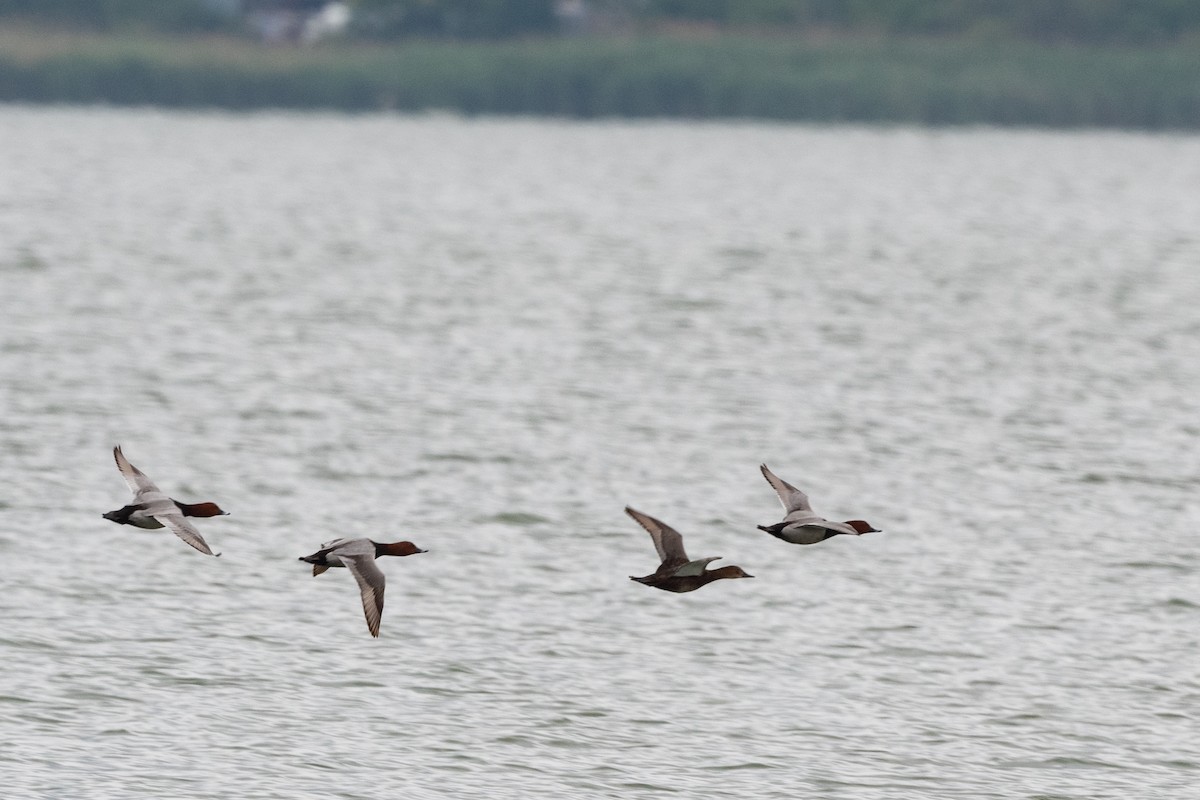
column 775, row 530
column 316, row 560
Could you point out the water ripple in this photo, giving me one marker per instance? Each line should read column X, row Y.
column 488, row 336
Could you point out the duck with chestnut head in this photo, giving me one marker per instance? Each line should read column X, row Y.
column 801, row 525
column 677, row 572
column 358, row 556
column 152, row 508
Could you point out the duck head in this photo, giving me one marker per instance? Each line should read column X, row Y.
column 397, row 549
column 730, row 572
column 200, row 509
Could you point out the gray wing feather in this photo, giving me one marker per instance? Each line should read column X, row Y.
column 136, row 479
column 792, row 498
column 695, row 567
column 830, row 525
column 667, row 541
column 371, row 583
column 184, row 530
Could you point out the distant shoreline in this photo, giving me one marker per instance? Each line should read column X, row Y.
column 952, row 81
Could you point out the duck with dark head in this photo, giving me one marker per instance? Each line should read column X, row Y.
column 677, row 572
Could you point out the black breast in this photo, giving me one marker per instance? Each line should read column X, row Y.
column 121, row 515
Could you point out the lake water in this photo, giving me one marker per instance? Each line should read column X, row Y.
column 488, row 336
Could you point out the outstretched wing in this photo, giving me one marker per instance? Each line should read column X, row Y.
column 370, row 584
column 334, row 543
column 694, row 567
column 667, row 541
column 792, row 498
column 134, row 477
column 184, row 530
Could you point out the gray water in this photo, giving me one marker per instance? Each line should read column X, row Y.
column 488, row 336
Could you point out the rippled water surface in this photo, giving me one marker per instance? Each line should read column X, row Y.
column 488, row 336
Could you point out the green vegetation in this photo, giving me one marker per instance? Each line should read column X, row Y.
column 166, row 15
column 1117, row 21
column 935, row 81
column 463, row 19
column 1126, row 63
column 1043, row 20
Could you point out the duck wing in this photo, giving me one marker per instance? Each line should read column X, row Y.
column 371, row 582
column 184, row 530
column 694, row 567
column 793, row 499
column 837, row 527
column 667, row 541
column 138, row 483
column 335, row 543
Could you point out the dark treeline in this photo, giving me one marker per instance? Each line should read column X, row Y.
column 1062, row 20
column 1087, row 21
column 927, row 82
column 108, row 15
column 1103, row 63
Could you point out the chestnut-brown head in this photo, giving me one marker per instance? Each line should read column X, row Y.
column 397, row 549
column 862, row 526
column 730, row 572
column 200, row 509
